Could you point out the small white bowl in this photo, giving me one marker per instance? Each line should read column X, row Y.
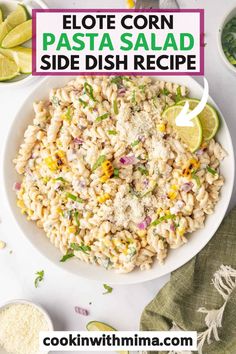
column 38, row 307
column 226, row 19
column 8, row 6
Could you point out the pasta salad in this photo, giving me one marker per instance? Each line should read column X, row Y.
column 108, row 179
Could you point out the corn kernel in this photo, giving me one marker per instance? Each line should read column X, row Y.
column 130, row 4
column 174, row 187
column 60, row 153
column 161, row 127
column 125, row 252
column 20, row 203
column 103, row 198
column 72, row 229
column 141, row 233
column 52, row 164
column 180, row 231
column 58, row 143
column 59, row 210
column 172, row 195
column 107, row 168
column 104, row 178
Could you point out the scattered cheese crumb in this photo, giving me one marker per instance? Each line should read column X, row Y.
column 20, row 325
column 2, row 244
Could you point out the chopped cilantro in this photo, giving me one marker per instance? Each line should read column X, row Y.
column 99, row 161
column 165, row 92
column 211, row 170
column 61, row 179
column 134, row 143
column 143, row 170
column 112, row 132
column 66, row 257
column 89, row 91
column 197, row 179
column 83, row 103
column 115, row 107
column 108, row 289
column 162, row 218
column 102, row 117
column 82, row 247
column 39, row 278
column 74, row 198
column 116, row 172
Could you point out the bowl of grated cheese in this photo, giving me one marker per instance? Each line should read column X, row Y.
column 20, row 324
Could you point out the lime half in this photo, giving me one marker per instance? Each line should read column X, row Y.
column 14, row 19
column 191, row 136
column 101, row 326
column 208, row 117
column 22, row 56
column 8, row 68
column 18, row 35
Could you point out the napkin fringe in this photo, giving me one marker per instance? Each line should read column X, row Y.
column 224, row 282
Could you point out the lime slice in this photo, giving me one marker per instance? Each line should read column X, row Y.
column 8, row 68
column 1, row 16
column 191, row 136
column 14, row 19
column 101, row 326
column 18, row 35
column 208, row 117
column 22, row 56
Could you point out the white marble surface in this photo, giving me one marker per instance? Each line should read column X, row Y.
column 60, row 292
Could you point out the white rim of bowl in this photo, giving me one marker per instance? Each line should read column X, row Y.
column 220, row 47
column 31, row 303
column 30, row 77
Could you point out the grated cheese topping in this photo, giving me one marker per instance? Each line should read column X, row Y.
column 20, row 325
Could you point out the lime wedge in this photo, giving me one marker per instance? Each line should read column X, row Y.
column 1, row 16
column 18, row 35
column 22, row 56
column 191, row 136
column 8, row 68
column 101, row 326
column 14, row 19
column 208, row 117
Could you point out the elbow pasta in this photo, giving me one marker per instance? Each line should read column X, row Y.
column 108, row 179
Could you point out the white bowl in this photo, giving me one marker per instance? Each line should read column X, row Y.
column 175, row 259
column 226, row 19
column 44, row 312
column 8, row 6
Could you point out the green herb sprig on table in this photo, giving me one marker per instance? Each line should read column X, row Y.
column 39, row 278
column 108, row 289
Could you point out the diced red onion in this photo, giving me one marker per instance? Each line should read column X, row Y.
column 127, row 160
column 78, row 141
column 122, row 91
column 81, row 311
column 146, row 182
column 144, row 224
column 199, row 152
column 186, row 187
column 82, row 184
column 17, row 186
column 141, row 138
column 172, row 227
